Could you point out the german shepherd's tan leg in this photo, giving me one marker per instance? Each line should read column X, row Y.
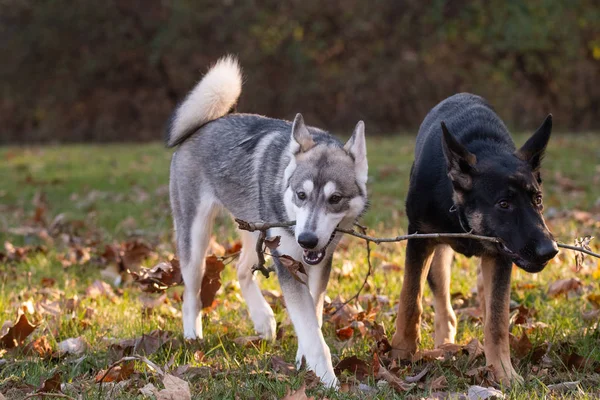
column 439, row 282
column 496, row 274
column 408, row 322
column 481, row 291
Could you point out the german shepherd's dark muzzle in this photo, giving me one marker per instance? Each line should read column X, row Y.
column 468, row 176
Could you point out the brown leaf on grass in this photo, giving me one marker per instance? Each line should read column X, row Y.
column 357, row 367
column 484, row 393
column 522, row 315
column 159, row 278
column 521, row 346
column 565, row 387
column 99, row 288
column 75, row 346
column 247, row 341
column 482, row 375
column 299, row 394
column 272, row 243
column 40, row 347
column 592, row 315
column 344, row 333
column 14, row 334
column 574, row 361
column 175, row 389
column 133, row 254
column 283, row 367
column 438, row 383
column 50, row 385
column 390, row 267
column 344, row 315
column 396, row 383
column 48, row 282
column 147, row 344
column 118, row 373
column 295, row 268
column 564, row 286
column 211, row 282
column 446, row 351
column 475, row 349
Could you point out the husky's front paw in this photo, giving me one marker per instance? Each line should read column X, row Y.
column 264, row 324
column 320, row 364
column 192, row 326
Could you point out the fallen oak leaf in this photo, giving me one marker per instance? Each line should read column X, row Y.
column 564, row 286
column 51, row 385
column 345, row 333
column 211, row 281
column 116, row 373
column 175, row 388
column 281, row 366
column 99, row 288
column 299, row 394
column 75, row 346
column 359, row 368
column 295, row 268
column 483, row 393
column 16, row 333
column 159, row 278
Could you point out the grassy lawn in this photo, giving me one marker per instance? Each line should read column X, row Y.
column 75, row 200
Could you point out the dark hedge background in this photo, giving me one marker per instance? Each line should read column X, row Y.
column 113, row 70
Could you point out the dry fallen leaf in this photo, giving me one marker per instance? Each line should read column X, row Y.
column 521, row 346
column 283, row 367
column 75, row 346
column 211, row 282
column 116, row 374
column 396, row 383
column 295, row 268
column 175, row 389
column 99, row 288
column 272, row 243
column 51, row 385
column 159, row 278
column 483, row 393
column 40, row 347
column 438, row 383
column 357, row 367
column 14, row 334
column 247, row 341
column 564, row 286
column 344, row 333
column 299, row 394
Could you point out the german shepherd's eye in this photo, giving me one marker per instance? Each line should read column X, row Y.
column 538, row 200
column 504, row 204
column 334, row 199
column 301, row 195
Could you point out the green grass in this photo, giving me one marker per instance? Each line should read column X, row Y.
column 118, row 192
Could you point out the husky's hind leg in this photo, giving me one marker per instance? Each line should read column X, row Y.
column 193, row 221
column 260, row 311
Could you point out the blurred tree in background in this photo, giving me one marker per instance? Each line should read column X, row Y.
column 83, row 70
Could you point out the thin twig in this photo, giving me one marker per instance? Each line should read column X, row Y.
column 368, row 243
column 576, row 248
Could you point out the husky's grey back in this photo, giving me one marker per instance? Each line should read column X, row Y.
column 239, row 159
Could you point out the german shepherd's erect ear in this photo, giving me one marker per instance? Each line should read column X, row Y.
column 533, row 150
column 459, row 160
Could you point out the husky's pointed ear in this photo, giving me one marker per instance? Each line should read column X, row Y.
column 533, row 149
column 301, row 134
column 357, row 148
column 460, row 162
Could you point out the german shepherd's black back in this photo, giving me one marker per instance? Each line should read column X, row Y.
column 468, row 176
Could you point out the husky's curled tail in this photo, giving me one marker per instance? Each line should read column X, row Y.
column 213, row 97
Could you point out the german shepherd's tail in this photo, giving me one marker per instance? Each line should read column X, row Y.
column 213, row 97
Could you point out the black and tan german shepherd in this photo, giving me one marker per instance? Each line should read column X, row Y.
column 469, row 177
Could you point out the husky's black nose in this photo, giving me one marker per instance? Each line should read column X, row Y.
column 546, row 250
column 308, row 240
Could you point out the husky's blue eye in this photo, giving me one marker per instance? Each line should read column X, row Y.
column 336, row 198
column 301, row 195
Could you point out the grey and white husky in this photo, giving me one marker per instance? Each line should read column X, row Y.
column 262, row 169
